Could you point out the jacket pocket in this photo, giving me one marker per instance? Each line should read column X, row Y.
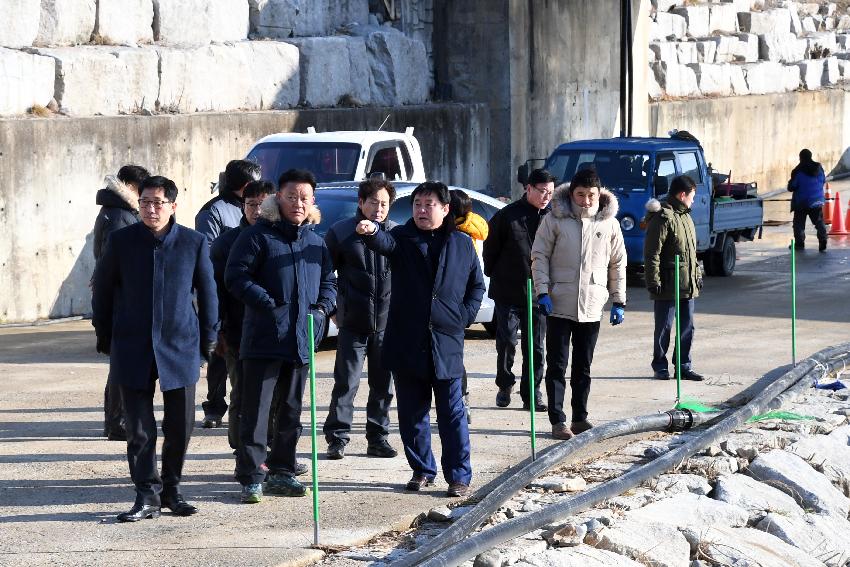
column 597, row 294
column 280, row 314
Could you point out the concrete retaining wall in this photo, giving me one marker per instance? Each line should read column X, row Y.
column 759, row 137
column 50, row 170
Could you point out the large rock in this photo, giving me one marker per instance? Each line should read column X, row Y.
column 697, row 18
column 687, row 52
column 794, row 476
column 827, row 453
column 25, row 80
column 284, row 19
column 796, row 23
column 783, row 47
column 753, row 496
column 677, row 483
column 188, row 23
column 740, row 5
column 726, row 47
column 666, row 51
column 811, row 73
column 820, row 41
column 66, row 22
column 399, row 67
column 739, row 81
column 824, row 537
column 713, row 80
column 656, row 92
column 362, row 80
column 661, row 545
column 344, row 13
column 668, row 26
column 20, row 26
column 691, row 510
column 325, row 70
column 747, row 546
column 676, row 80
column 768, row 21
column 808, row 8
column 125, row 23
column 722, row 18
column 275, row 76
column 765, row 77
column 581, row 556
column 104, row 80
column 706, row 51
column 747, row 48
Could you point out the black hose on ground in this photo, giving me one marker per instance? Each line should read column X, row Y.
column 794, row 381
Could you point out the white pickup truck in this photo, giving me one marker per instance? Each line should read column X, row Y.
column 341, row 156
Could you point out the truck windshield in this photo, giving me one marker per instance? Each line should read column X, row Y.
column 618, row 170
column 327, row 161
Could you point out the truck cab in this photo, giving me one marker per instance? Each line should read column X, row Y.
column 639, row 169
column 341, row 156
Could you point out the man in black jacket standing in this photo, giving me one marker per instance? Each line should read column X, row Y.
column 363, row 302
column 507, row 262
column 143, row 311
column 119, row 207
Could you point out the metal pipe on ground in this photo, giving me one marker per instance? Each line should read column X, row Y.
column 790, row 384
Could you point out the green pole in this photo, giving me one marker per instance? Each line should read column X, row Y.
column 678, row 337
column 793, row 304
column 532, row 391
column 315, row 458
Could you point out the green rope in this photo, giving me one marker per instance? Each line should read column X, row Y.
column 696, row 406
column 783, row 415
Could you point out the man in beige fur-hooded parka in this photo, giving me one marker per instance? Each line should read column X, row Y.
column 578, row 262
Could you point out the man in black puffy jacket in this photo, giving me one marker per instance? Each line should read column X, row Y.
column 119, row 207
column 363, row 302
column 507, row 262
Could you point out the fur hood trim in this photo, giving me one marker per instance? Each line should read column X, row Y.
column 270, row 211
column 562, row 204
column 653, row 206
column 124, row 193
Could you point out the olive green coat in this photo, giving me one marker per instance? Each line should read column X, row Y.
column 670, row 231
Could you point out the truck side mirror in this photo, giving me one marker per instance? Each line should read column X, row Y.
column 522, row 173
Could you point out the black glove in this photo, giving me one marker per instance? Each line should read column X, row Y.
column 104, row 344
column 654, row 289
column 207, row 350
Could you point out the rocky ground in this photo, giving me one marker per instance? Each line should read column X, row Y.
column 774, row 493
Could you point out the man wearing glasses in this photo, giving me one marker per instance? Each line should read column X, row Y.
column 282, row 271
column 507, row 262
column 142, row 310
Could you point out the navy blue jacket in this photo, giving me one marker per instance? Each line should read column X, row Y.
column 231, row 311
column 281, row 272
column 807, row 189
column 363, row 300
column 142, row 303
column 427, row 321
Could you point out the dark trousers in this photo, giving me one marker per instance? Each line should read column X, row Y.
column 260, row 377
column 113, row 413
column 234, row 372
column 351, row 351
column 560, row 334
column 413, row 397
column 814, row 214
column 665, row 311
column 215, row 403
column 508, row 321
column 177, row 424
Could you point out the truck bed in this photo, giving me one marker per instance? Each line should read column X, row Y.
column 739, row 214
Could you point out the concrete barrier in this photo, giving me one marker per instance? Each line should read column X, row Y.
column 65, row 22
column 47, row 206
column 25, row 80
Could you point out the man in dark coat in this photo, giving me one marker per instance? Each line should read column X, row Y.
column 282, row 271
column 362, row 306
column 219, row 214
column 143, row 291
column 439, row 286
column 507, row 262
column 231, row 310
column 669, row 232
column 119, row 207
column 807, row 199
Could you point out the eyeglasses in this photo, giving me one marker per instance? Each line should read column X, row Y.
column 157, row 205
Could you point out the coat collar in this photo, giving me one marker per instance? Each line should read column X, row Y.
column 562, row 204
column 270, row 214
column 122, row 191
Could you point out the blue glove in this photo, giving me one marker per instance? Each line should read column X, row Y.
column 545, row 303
column 618, row 311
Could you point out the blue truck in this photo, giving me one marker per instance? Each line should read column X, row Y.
column 639, row 169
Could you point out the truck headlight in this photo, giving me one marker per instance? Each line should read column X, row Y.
column 627, row 223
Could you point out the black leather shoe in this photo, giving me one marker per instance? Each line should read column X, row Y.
column 336, row 450
column 139, row 512
column 418, row 482
column 381, row 449
column 688, row 374
column 178, row 506
column 661, row 375
column 538, row 403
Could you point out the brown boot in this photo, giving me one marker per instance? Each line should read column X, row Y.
column 561, row 431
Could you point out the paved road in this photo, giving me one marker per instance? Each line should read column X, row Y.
column 61, row 484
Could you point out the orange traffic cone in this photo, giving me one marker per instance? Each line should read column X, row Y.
column 837, row 228
column 827, row 205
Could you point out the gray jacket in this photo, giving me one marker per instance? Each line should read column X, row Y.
column 218, row 215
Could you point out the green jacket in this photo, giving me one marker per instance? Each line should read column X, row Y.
column 670, row 231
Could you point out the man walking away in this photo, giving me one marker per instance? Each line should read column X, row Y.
column 439, row 286
column 670, row 231
column 143, row 312
column 362, row 306
column 219, row 214
column 282, row 271
column 807, row 199
column 119, row 207
column 507, row 261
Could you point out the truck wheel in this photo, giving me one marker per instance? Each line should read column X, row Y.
column 726, row 259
